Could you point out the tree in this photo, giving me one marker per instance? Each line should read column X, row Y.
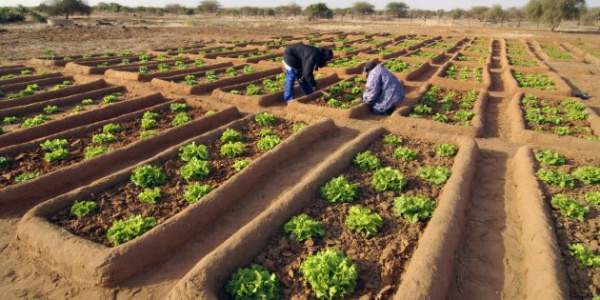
column 554, row 11
column 362, row 8
column 457, row 13
column 479, row 12
column 496, row 13
column 318, row 11
column 291, row 9
column 66, row 7
column 440, row 14
column 209, row 6
column 397, row 9
column 533, row 10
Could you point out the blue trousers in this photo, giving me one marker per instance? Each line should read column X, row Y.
column 288, row 90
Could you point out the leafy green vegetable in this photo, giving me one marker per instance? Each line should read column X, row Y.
column 3, row 162
column 392, row 139
column 584, row 255
column 103, row 138
column 445, row 150
column 57, row 155
column 238, row 165
column 147, row 133
column 196, row 191
column 11, row 120
column 195, row 169
column 363, row 220
column 299, row 126
column 330, row 274
column 178, row 107
column 231, row 135
column 339, row 190
column 253, row 283
column 556, row 178
column 302, row 227
column 232, row 149
column 191, row 151
column 112, row 128
column 366, row 161
column 181, row 118
column 91, row 152
column 414, row 208
column 87, row 101
column 388, row 179
column 265, row 119
column 268, row 142
column 549, row 157
column 405, row 154
column 26, row 176
column 589, row 175
column 593, row 197
column 148, row 176
column 569, row 207
column 55, row 144
column 127, row 230
column 436, row 175
column 83, row 208
column 150, row 195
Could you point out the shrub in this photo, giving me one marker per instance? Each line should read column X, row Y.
column 149, row 195
column 253, row 283
column 569, row 207
column 339, row 190
column 392, row 140
column 231, row 135
column 57, row 155
column 83, row 208
column 181, row 118
column 584, row 255
column 231, row 149
column 55, row 144
column 112, row 128
column 436, row 175
column 414, row 208
column 548, row 157
column 196, row 191
column 388, row 179
column 91, row 152
column 302, row 227
column 127, row 230
column 195, row 170
column 191, row 151
column 330, row 274
column 405, row 154
column 589, row 175
column 366, row 161
column 268, row 142
column 103, row 138
column 265, row 119
column 556, row 178
column 238, row 165
column 148, row 176
column 363, row 220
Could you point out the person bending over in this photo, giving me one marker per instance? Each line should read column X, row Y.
column 383, row 90
column 300, row 61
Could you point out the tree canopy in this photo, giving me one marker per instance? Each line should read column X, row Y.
column 554, row 11
column 397, row 9
column 209, row 6
column 318, row 11
column 65, row 7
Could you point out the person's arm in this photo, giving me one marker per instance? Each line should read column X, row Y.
column 308, row 67
column 372, row 88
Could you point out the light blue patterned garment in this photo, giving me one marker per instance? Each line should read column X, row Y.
column 383, row 90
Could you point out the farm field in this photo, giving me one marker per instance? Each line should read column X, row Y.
column 155, row 159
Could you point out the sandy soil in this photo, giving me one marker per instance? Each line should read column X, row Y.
column 489, row 264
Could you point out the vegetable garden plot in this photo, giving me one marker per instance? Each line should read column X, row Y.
column 251, row 57
column 406, row 68
column 380, row 245
column 433, row 56
column 61, row 61
column 342, row 100
column 550, row 120
column 264, row 91
column 235, row 52
column 540, row 82
column 26, row 76
column 100, row 67
column 24, row 89
column 587, row 53
column 349, row 50
column 553, row 52
column 522, row 62
column 478, row 50
column 165, row 69
column 382, row 53
column 374, row 42
column 187, row 49
column 185, row 208
column 444, row 108
column 561, row 189
column 13, row 69
column 104, row 155
column 463, row 74
column 207, row 81
column 481, row 59
column 482, row 42
column 346, row 65
column 516, row 48
column 442, row 45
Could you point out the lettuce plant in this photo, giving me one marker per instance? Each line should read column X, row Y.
column 148, row 176
column 178, row 107
column 196, row 191
column 388, row 179
column 195, row 169
column 55, row 144
column 231, row 135
column 265, row 119
column 584, row 255
column 363, row 220
column 366, row 161
column 111, row 128
column 268, row 142
column 589, row 175
column 590, row 197
column 445, row 150
column 127, row 230
column 414, row 208
column 191, row 151
column 147, row 133
column 299, row 126
column 405, row 154
column 556, row 178
column 232, row 149
column 330, row 274
column 569, row 207
column 302, row 227
column 3, row 162
column 87, row 102
column 239, row 164
column 436, row 175
column 339, row 190
column 149, row 195
column 35, row 121
column 392, row 140
column 103, row 138
column 57, row 155
column 11, row 120
column 26, row 176
column 253, row 283
column 83, row 208
column 181, row 118
column 91, row 152
column 551, row 158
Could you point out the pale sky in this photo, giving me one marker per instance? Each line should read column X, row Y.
column 379, row 4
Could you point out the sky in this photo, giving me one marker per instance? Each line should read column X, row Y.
column 379, row 4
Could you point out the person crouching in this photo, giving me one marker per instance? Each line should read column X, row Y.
column 300, row 61
column 383, row 90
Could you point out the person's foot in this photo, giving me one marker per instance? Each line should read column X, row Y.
column 583, row 96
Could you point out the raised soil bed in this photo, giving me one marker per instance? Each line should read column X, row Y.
column 543, row 83
column 464, row 75
column 133, row 73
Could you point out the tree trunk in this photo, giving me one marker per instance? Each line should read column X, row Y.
column 67, row 16
column 519, row 25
